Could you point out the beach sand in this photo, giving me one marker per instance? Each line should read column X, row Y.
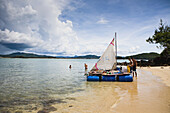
column 146, row 94
column 162, row 72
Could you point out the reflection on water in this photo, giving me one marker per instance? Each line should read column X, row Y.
column 119, row 89
column 99, row 97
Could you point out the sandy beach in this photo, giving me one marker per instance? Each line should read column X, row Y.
column 162, row 72
column 146, row 94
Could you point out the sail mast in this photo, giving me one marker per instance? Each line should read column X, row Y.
column 116, row 48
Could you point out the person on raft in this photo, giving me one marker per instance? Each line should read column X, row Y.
column 134, row 65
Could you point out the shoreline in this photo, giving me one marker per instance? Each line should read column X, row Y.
column 144, row 94
column 160, row 71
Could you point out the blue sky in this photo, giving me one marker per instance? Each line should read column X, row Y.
column 80, row 27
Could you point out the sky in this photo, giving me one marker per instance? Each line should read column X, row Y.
column 80, row 27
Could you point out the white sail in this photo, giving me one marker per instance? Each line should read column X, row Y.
column 108, row 60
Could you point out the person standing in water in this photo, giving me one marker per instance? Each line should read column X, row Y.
column 85, row 65
column 134, row 65
column 70, row 66
column 130, row 65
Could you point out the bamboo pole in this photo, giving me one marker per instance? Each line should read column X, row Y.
column 116, row 47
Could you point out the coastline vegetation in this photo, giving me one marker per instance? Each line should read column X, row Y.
column 161, row 37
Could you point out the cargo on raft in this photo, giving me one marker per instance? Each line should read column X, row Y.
column 106, row 67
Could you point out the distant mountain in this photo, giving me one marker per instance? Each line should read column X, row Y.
column 148, row 56
column 31, row 55
column 87, row 57
column 25, row 55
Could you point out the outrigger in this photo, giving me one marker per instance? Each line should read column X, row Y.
column 106, row 67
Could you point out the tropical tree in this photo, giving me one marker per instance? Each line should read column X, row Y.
column 162, row 37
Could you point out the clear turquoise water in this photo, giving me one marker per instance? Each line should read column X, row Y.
column 34, row 81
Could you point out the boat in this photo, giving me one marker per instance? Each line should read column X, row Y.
column 106, row 69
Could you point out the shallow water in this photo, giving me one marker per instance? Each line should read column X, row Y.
column 32, row 85
column 35, row 81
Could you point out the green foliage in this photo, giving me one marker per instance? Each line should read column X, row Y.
column 148, row 56
column 161, row 36
column 87, row 57
column 166, row 53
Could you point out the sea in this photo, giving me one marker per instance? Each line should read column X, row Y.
column 50, row 86
column 27, row 84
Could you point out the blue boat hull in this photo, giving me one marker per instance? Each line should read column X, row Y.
column 123, row 78
column 108, row 78
column 92, row 78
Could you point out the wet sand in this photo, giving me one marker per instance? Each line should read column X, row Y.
column 160, row 71
column 146, row 94
column 153, row 96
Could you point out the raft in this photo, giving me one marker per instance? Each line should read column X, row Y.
column 122, row 78
column 108, row 78
column 92, row 78
column 125, row 78
column 106, row 69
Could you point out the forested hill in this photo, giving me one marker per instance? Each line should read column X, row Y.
column 87, row 57
column 31, row 55
column 148, row 56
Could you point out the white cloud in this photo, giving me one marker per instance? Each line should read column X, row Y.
column 102, row 21
column 134, row 49
column 14, row 12
column 28, row 10
column 36, row 23
column 16, row 37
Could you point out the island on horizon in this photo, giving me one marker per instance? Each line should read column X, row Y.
column 144, row 56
